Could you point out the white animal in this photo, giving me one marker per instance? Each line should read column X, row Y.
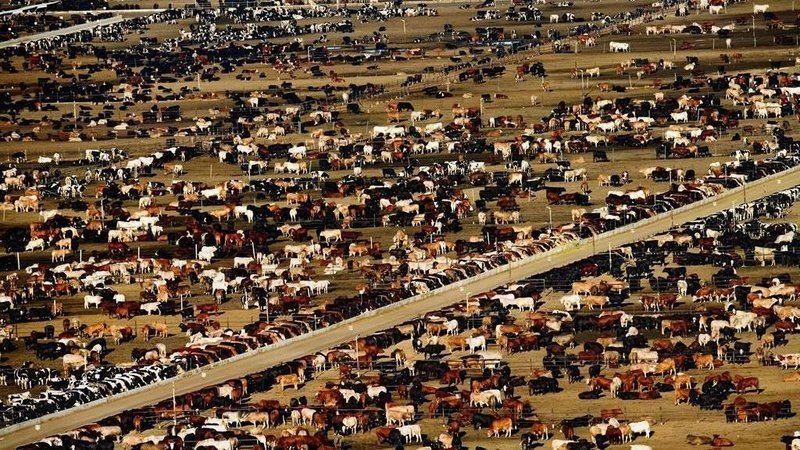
column 476, row 343
column 34, row 244
column 619, row 47
column 207, row 253
column 642, row 427
column 92, row 300
column 571, row 301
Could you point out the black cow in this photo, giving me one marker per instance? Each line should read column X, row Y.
column 480, row 421
column 542, row 385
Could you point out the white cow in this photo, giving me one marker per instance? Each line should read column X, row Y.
column 619, row 47
column 329, row 235
column 35, row 243
column 242, row 261
column 476, row 343
column 92, row 300
column 207, row 253
column 640, row 427
column 682, row 116
column 571, row 301
column 150, row 308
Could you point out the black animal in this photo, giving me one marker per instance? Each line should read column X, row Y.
column 542, row 385
column 480, row 421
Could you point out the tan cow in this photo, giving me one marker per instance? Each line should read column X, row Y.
column 453, row 342
column 791, row 377
column 595, row 300
column 290, row 379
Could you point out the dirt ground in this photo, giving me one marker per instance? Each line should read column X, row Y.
column 677, row 421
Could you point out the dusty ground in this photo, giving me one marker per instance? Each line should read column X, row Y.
column 677, row 420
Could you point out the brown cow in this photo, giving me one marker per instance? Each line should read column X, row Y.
column 668, row 300
column 790, row 377
column 719, row 441
column 681, row 380
column 207, row 308
column 649, row 395
column 595, row 300
column 679, row 327
column 451, row 377
column 743, row 383
column 385, row 433
column 666, row 366
column 540, row 430
column 357, row 249
column 606, row 414
column 454, row 342
column 95, row 330
column 682, row 396
column 330, row 397
column 502, row 425
column 290, row 379
column 701, row 361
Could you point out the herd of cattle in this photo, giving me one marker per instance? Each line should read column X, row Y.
column 95, row 210
column 457, row 368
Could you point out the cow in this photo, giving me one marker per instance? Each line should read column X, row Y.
column 329, row 235
column 35, row 243
column 764, row 255
column 619, row 47
column 596, row 300
column 399, row 414
column 703, row 361
column 571, row 302
column 476, row 343
column 503, row 425
column 290, row 379
column 411, row 433
column 72, row 362
column 682, row 396
column 791, row 377
column 641, row 427
column 453, row 342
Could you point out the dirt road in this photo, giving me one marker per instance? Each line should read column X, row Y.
column 12, row 437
